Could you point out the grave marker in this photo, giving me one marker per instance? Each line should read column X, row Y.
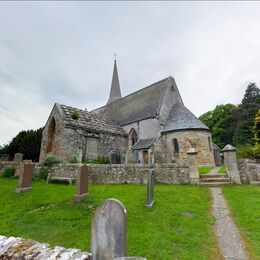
column 82, row 183
column 109, row 231
column 25, row 178
column 150, row 188
column 18, row 157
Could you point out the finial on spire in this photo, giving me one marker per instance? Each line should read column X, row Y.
column 115, row 56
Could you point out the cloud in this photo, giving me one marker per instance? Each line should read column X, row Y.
column 63, row 52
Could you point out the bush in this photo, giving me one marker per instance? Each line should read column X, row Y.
column 9, row 172
column 99, row 160
column 74, row 160
column 75, row 115
column 249, row 152
column 51, row 159
column 42, row 174
column 173, row 161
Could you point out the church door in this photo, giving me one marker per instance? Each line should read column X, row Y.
column 145, row 157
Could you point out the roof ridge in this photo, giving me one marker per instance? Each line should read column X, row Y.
column 133, row 93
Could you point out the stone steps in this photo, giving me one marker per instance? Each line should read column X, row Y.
column 214, row 180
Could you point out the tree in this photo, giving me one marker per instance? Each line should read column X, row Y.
column 26, row 142
column 245, row 116
column 221, row 122
column 257, row 128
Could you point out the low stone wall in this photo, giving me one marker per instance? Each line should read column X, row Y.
column 18, row 248
column 249, row 170
column 117, row 173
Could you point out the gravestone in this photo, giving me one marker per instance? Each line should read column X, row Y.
column 230, row 160
column 18, row 157
column 82, row 183
column 115, row 158
column 193, row 167
column 25, row 178
column 150, row 188
column 109, row 231
column 4, row 157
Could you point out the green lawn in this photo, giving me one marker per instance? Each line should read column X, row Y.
column 222, row 169
column 244, row 202
column 205, row 169
column 180, row 226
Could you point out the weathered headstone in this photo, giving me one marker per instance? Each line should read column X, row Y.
column 109, row 231
column 4, row 157
column 25, row 178
column 82, row 183
column 230, row 160
column 18, row 157
column 193, row 167
column 150, row 188
column 129, row 157
column 115, row 157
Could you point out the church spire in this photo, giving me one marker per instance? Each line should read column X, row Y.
column 115, row 92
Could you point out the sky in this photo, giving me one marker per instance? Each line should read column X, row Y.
column 63, row 52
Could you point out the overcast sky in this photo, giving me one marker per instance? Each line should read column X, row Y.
column 63, row 52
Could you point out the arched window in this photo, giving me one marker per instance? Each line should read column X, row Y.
column 175, row 145
column 132, row 137
column 209, row 143
column 51, row 136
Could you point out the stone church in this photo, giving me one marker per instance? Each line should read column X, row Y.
column 151, row 125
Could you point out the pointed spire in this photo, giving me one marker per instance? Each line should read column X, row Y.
column 115, row 92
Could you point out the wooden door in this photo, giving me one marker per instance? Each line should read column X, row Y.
column 145, row 157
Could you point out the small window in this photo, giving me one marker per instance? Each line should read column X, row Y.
column 175, row 146
column 132, row 137
column 209, row 143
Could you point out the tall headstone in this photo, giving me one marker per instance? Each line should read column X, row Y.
column 109, row 231
column 82, row 183
column 150, row 188
column 129, row 159
column 25, row 178
column 230, row 160
column 193, row 167
column 18, row 157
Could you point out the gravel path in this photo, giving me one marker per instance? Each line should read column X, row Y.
column 230, row 241
column 215, row 170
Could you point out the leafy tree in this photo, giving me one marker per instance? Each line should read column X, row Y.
column 221, row 122
column 257, row 128
column 245, row 116
column 26, row 142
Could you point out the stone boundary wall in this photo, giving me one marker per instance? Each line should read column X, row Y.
column 18, row 248
column 249, row 170
column 117, row 173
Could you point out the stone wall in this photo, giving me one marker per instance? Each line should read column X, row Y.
column 18, row 248
column 197, row 139
column 249, row 170
column 118, row 173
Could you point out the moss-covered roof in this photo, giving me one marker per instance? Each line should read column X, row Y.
column 139, row 105
column 89, row 121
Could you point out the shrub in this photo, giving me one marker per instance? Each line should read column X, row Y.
column 74, row 160
column 42, row 174
column 75, row 115
column 9, row 172
column 248, row 151
column 99, row 160
column 173, row 161
column 51, row 159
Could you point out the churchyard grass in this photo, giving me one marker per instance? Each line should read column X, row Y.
column 222, row 169
column 205, row 169
column 180, row 226
column 244, row 203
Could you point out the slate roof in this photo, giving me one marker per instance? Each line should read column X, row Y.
column 181, row 118
column 91, row 122
column 139, row 105
column 143, row 144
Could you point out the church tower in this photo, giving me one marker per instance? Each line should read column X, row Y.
column 115, row 92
